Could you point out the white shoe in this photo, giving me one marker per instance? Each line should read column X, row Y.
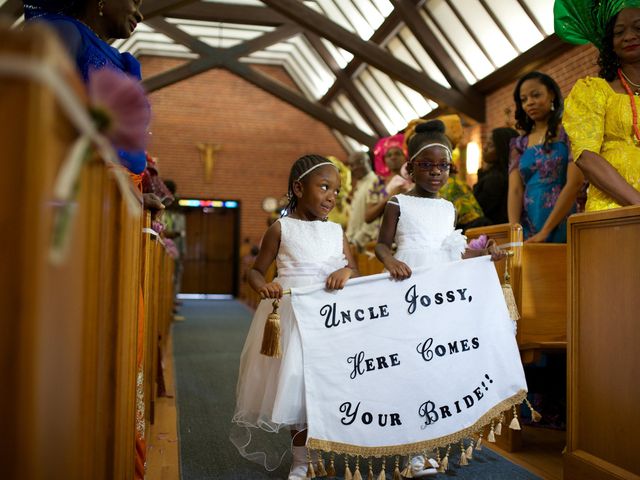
column 299, row 466
column 421, row 467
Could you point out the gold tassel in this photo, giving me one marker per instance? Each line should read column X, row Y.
column 470, row 451
column 463, row 456
column 479, row 444
column 396, row 470
column 515, row 424
column 320, row 470
column 499, row 425
column 535, row 416
column 271, row 334
column 510, row 300
column 507, row 291
column 310, row 472
column 347, row 471
column 444, row 465
column 331, row 471
column 370, row 474
column 356, row 472
column 383, row 470
column 492, row 436
column 407, row 472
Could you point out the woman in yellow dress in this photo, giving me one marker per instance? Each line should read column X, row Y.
column 601, row 116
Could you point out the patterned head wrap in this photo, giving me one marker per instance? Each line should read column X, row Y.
column 585, row 21
column 382, row 147
column 37, row 8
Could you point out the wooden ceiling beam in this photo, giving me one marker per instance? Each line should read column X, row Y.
column 410, row 14
column 377, row 57
column 534, row 58
column 295, row 99
column 11, row 9
column 347, row 84
column 380, row 36
column 229, row 13
column 156, row 8
column 211, row 57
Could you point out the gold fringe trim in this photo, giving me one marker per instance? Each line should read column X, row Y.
column 410, row 448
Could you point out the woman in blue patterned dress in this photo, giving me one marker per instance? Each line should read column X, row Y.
column 84, row 28
column 543, row 179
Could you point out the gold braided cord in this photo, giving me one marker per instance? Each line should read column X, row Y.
column 410, row 448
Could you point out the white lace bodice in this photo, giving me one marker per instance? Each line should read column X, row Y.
column 425, row 234
column 309, row 251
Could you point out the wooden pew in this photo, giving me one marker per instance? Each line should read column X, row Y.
column 539, row 281
column 68, row 330
column 603, row 356
column 366, row 260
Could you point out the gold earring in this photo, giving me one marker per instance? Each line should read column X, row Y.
column 101, row 7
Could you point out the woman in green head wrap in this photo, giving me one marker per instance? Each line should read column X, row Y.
column 601, row 114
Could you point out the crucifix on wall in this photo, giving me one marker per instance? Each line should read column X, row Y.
column 207, row 154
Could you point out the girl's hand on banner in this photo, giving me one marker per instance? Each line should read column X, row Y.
column 398, row 270
column 270, row 290
column 338, row 279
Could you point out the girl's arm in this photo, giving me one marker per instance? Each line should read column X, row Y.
column 396, row 268
column 266, row 256
column 601, row 173
column 514, row 198
column 338, row 279
column 565, row 201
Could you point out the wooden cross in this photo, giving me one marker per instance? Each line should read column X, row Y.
column 207, row 154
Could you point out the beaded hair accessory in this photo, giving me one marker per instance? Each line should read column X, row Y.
column 311, row 169
column 431, row 145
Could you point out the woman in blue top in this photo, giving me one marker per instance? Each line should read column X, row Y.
column 84, row 27
column 543, row 180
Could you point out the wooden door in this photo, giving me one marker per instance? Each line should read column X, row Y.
column 211, row 253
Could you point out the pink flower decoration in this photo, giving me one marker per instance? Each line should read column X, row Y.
column 120, row 108
column 479, row 243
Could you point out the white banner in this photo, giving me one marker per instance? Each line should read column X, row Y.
column 396, row 367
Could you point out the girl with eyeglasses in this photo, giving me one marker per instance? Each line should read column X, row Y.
column 420, row 222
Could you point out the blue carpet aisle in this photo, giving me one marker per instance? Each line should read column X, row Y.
column 206, row 350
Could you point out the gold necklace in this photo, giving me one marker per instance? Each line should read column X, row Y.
column 636, row 86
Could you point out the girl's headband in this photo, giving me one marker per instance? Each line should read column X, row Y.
column 311, row 169
column 431, row 145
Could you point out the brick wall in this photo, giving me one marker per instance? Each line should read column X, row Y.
column 260, row 138
column 565, row 69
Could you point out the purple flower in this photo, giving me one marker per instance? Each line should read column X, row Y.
column 478, row 243
column 120, row 108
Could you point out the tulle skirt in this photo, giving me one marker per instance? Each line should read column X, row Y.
column 270, row 394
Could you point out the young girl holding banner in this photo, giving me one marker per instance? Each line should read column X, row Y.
column 307, row 249
column 423, row 225
column 419, row 221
